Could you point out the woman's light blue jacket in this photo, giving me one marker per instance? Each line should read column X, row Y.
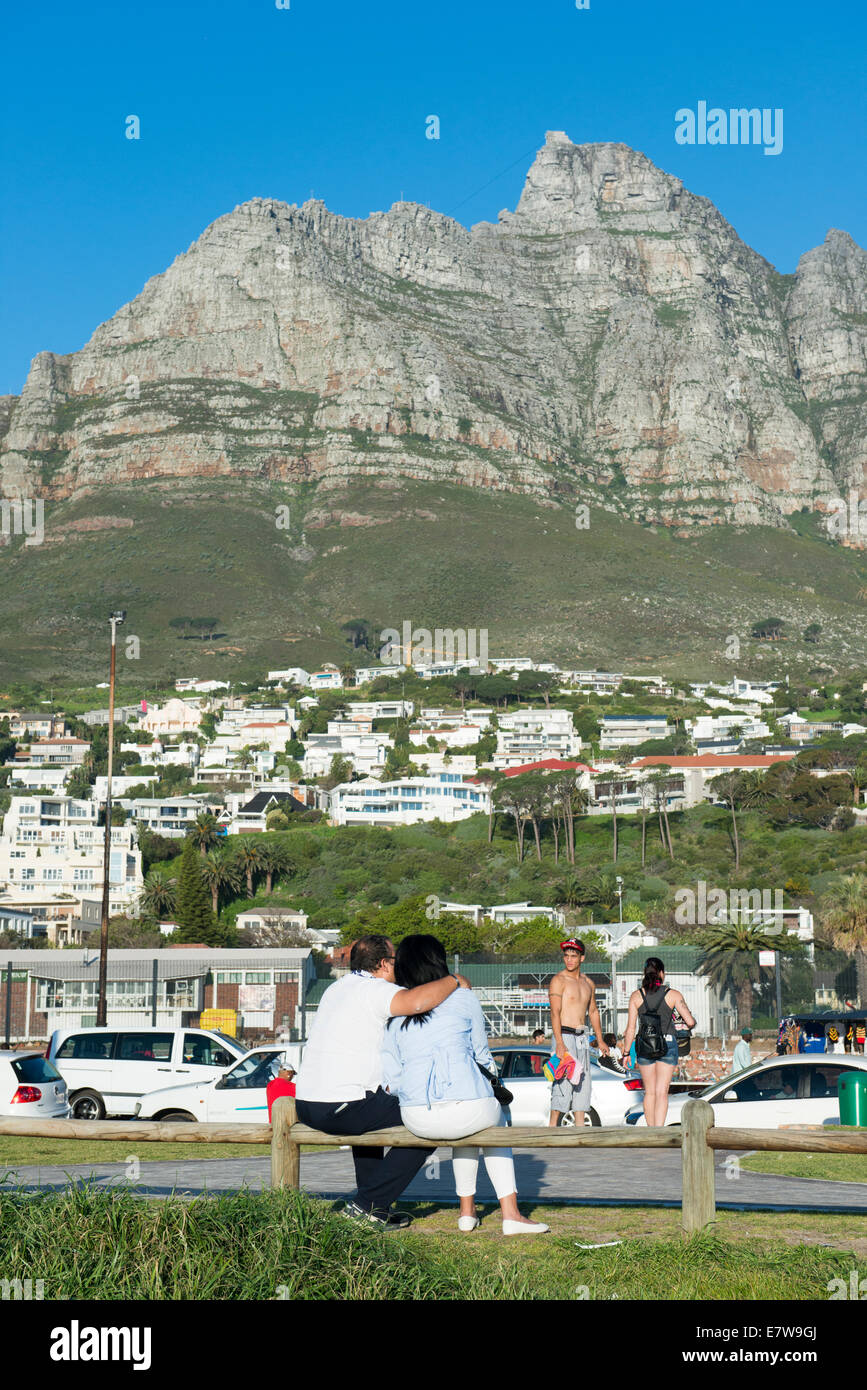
column 436, row 1060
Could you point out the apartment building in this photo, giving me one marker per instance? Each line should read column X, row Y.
column 628, row 731
column 53, row 846
column 444, row 796
column 533, row 735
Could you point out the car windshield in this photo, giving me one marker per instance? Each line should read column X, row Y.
column 229, row 1041
column 255, row 1071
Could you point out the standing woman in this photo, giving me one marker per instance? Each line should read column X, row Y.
column 653, row 998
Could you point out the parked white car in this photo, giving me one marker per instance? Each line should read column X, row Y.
column 238, row 1096
column 796, row 1090
column 108, row 1070
column 31, row 1088
column 611, row 1092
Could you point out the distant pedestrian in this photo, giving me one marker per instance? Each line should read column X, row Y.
column 538, row 1040
column 742, row 1056
column 650, row 1024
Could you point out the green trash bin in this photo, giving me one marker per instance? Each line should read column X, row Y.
column 852, row 1095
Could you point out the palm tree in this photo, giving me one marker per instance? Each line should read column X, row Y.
column 273, row 859
column 221, row 872
column 730, row 961
column 203, row 831
column 729, row 787
column 844, row 917
column 248, row 856
column 159, row 895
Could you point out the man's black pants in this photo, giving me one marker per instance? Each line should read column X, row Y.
column 381, row 1176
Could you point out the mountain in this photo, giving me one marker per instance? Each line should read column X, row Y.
column 611, row 344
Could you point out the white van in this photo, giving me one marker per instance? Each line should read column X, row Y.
column 108, row 1070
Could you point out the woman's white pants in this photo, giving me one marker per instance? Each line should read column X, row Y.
column 453, row 1119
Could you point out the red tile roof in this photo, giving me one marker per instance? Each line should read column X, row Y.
column 546, row 765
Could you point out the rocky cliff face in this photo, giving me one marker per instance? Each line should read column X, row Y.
column 611, row 341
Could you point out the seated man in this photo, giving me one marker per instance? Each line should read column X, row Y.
column 339, row 1086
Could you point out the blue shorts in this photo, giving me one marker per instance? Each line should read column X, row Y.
column 670, row 1059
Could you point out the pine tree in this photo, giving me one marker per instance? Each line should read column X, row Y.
column 195, row 916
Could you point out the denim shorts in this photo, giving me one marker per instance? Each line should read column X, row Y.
column 670, row 1059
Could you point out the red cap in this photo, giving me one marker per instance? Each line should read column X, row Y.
column 575, row 944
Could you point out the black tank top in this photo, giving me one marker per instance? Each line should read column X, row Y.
column 654, row 999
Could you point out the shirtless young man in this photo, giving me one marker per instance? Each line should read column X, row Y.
column 573, row 999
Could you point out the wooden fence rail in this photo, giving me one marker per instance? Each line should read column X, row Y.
column 697, row 1138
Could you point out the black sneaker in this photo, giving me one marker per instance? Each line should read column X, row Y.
column 389, row 1221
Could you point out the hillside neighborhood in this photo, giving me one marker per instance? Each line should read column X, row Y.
column 529, row 745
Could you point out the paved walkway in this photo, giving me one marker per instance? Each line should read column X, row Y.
column 646, row 1177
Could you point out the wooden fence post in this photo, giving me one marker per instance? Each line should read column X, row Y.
column 698, row 1201
column 285, row 1156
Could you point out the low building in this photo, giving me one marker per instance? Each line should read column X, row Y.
column 628, row 731
column 252, row 816
column 164, row 988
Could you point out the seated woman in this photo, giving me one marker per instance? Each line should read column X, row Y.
column 429, row 1062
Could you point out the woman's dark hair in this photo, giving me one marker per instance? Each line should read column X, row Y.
column 418, row 961
column 653, row 971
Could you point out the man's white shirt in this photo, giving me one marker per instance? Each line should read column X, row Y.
column 342, row 1059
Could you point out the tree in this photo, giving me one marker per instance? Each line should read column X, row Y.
column 248, row 855
column 729, row 788
column 844, row 918
column 512, row 798
column 811, row 632
column 158, row 898
column 339, row 772
column 659, row 783
column 573, row 801
column 221, row 873
column 768, row 629
column 276, row 820
column 203, row 831
column 195, row 917
column 273, row 859
column 730, row 961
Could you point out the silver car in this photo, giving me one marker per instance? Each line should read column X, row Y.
column 31, row 1087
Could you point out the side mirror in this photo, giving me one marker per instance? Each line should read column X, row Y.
column 730, row 1095
column 220, row 1085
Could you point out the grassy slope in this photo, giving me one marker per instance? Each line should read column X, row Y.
column 438, row 555
column 834, row 1167
column 285, row 1245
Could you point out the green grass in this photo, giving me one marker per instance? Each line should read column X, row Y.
column 438, row 554
column 285, row 1245
column 834, row 1167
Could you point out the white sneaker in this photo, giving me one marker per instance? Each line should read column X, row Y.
column 467, row 1223
column 524, row 1228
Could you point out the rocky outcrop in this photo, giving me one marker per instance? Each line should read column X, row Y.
column 611, row 341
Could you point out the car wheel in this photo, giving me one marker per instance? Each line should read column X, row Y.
column 591, row 1120
column 87, row 1105
column 175, row 1117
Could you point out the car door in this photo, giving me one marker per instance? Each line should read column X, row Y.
column 142, row 1063
column 819, row 1101
column 531, row 1091
column 763, row 1099
column 200, row 1057
column 240, row 1096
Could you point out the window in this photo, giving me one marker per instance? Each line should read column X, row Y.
column 774, row 1083
column 284, row 977
column 228, row 977
column 823, row 1080
column 255, row 1071
column 145, row 1047
column 87, row 1046
column 30, row 1069
column 200, row 1051
column 257, row 977
column 180, row 994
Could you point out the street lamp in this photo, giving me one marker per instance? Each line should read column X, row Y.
column 115, row 619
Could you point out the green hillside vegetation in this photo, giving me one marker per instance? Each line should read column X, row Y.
column 436, row 555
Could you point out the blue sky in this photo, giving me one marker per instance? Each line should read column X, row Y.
column 239, row 99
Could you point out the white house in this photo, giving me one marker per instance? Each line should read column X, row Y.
column 365, row 674
column 294, row 675
column 441, row 796
column 535, row 734
column 525, row 912
column 329, row 678
column 380, row 709
column 174, row 717
column 628, row 731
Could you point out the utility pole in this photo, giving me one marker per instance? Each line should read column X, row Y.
column 115, row 619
